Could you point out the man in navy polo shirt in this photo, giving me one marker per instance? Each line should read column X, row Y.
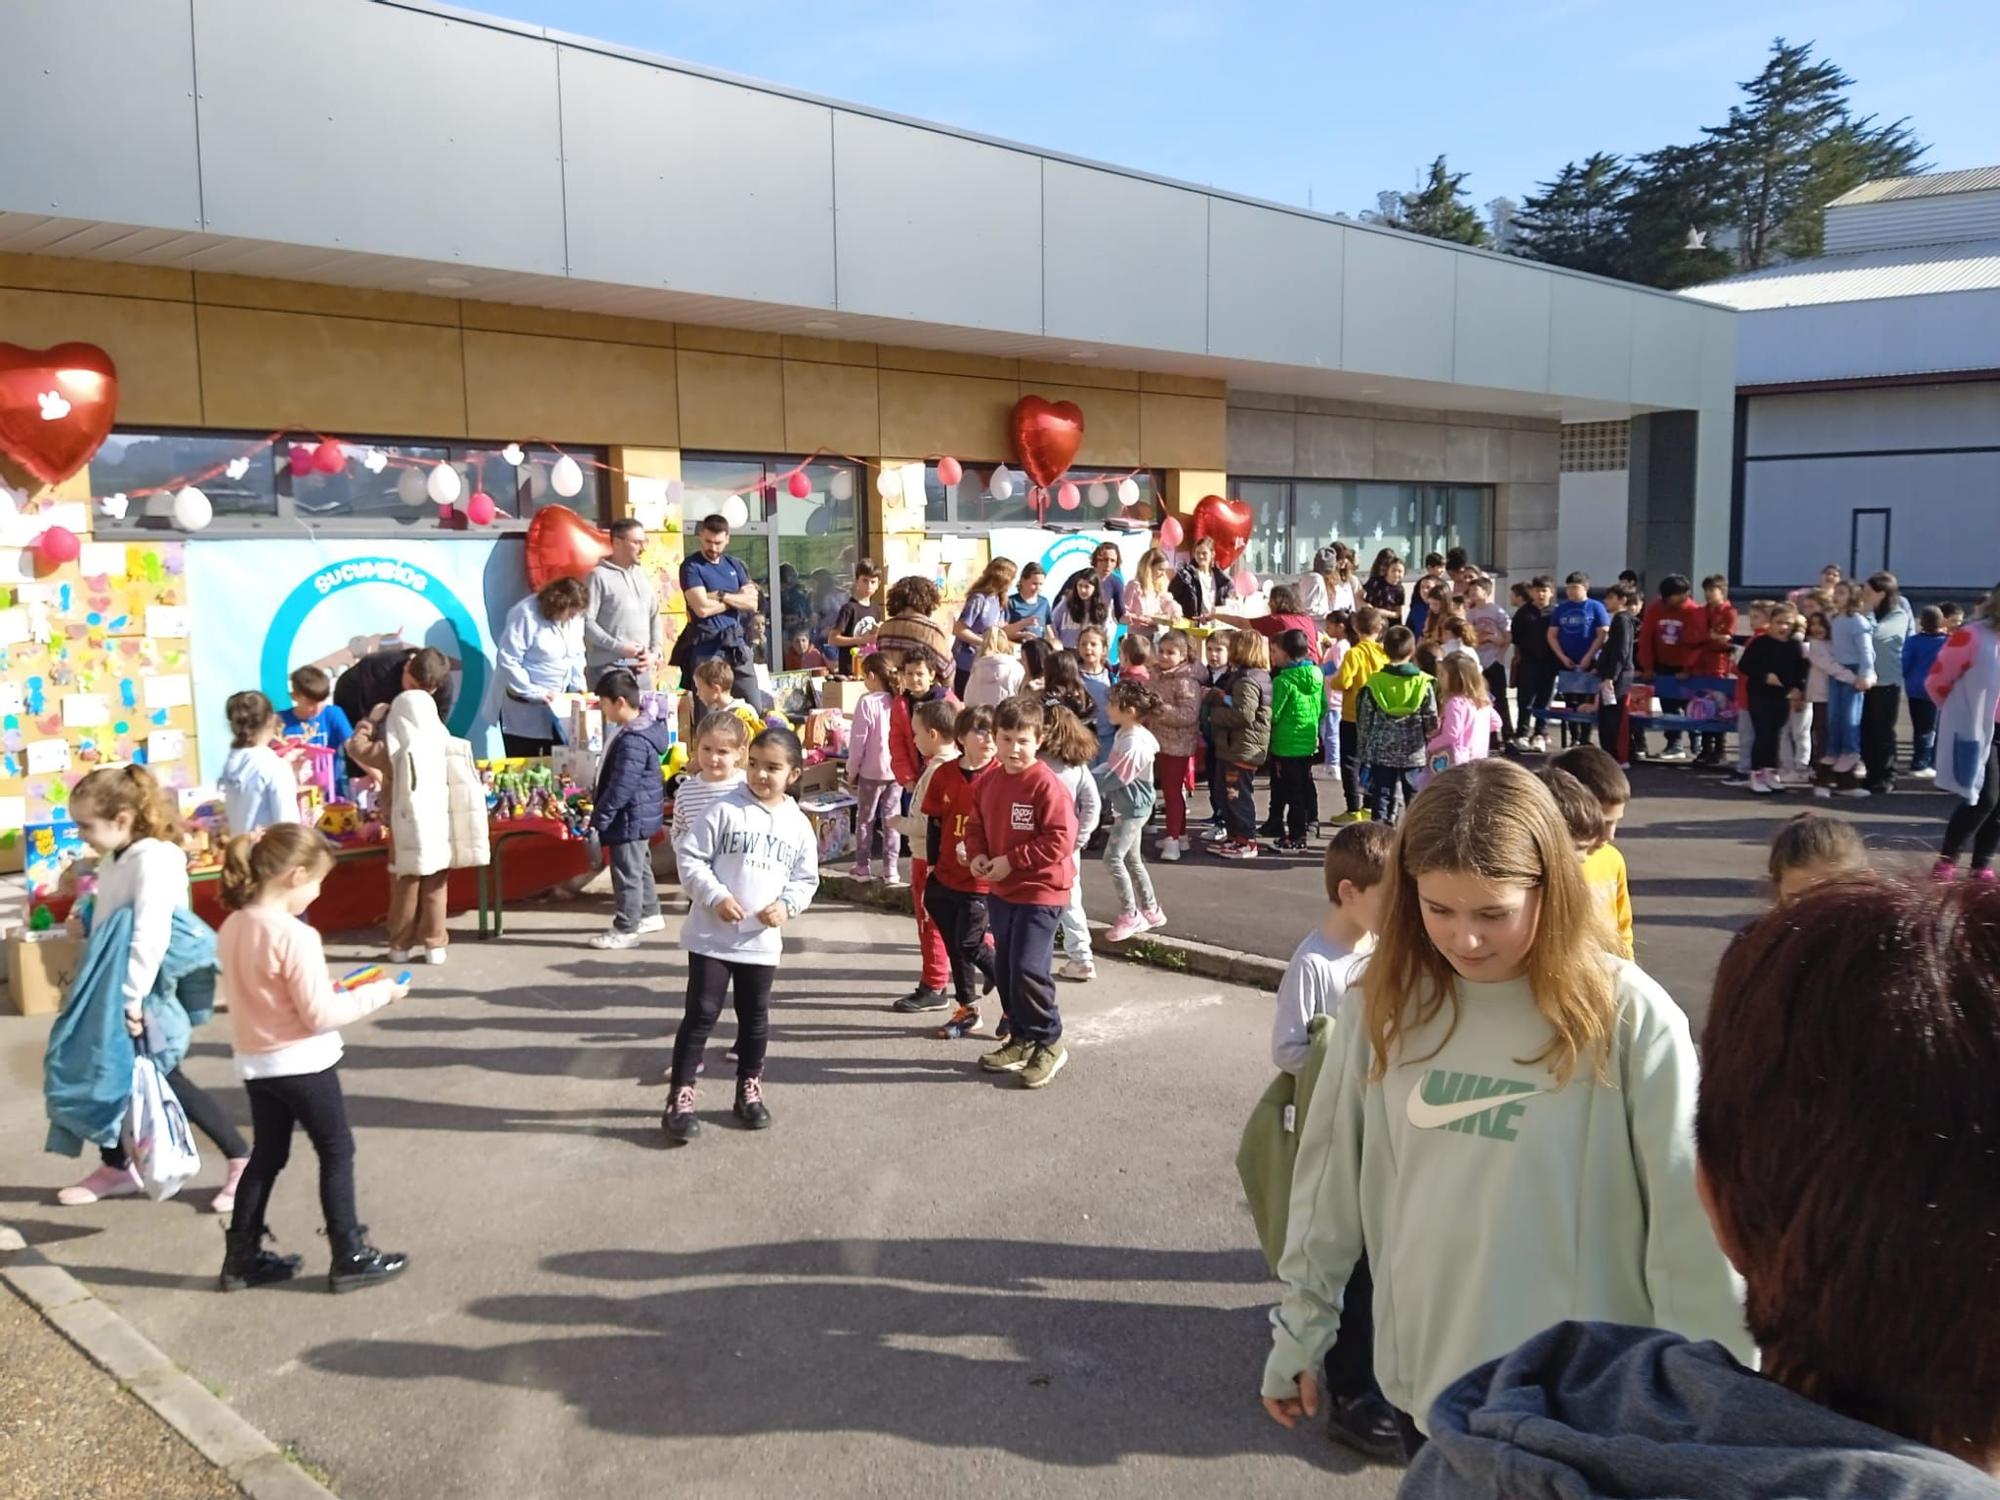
column 719, row 593
column 1577, row 632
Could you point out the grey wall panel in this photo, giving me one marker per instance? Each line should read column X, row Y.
column 1274, row 286
column 1502, row 324
column 1666, row 351
column 331, row 122
column 1398, row 306
column 683, row 182
column 1123, row 261
column 1896, row 417
column 1590, row 330
column 917, row 236
column 100, row 109
column 1944, row 530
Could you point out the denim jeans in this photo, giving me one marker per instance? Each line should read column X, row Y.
column 1075, row 930
column 1241, row 782
column 1843, row 720
column 1124, row 853
column 1383, row 782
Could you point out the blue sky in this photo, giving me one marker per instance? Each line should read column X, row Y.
column 1289, row 100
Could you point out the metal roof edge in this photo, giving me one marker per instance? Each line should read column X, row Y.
column 762, row 85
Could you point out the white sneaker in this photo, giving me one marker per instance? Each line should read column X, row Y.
column 1541, row 744
column 1170, row 850
column 1824, row 793
column 1220, row 835
column 1855, row 791
column 1928, row 773
column 1077, row 968
column 891, row 875
column 654, row 923
column 1760, row 785
column 401, row 955
column 612, row 938
column 434, row 956
column 1677, row 756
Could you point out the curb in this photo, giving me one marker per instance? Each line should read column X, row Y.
column 210, row 1425
column 1156, row 949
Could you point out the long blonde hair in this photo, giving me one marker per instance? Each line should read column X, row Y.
column 1493, row 820
column 1152, row 566
column 1458, row 677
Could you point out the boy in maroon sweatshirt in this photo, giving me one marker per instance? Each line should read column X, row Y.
column 954, row 896
column 1671, row 636
column 1021, row 840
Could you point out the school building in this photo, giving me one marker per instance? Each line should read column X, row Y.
column 435, row 235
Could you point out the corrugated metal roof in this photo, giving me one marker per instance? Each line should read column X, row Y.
column 1923, row 185
column 1917, row 271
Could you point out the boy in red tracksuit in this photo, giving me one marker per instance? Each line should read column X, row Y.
column 1021, row 840
column 953, row 895
column 932, row 723
column 1672, row 632
column 917, row 680
column 1716, row 655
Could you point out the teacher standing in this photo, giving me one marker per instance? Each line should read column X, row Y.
column 1964, row 683
column 621, row 623
column 540, row 655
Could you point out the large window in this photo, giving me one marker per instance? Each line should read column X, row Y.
column 1291, row 519
column 969, row 505
column 269, row 496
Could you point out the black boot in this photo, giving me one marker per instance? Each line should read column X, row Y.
column 750, row 1104
column 246, row 1263
column 679, row 1121
column 358, row 1264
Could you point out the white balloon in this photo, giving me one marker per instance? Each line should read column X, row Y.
column 735, row 512
column 842, row 485
column 676, row 492
column 889, row 484
column 443, row 485
column 410, row 488
column 1001, row 485
column 512, row 455
column 1128, row 491
column 566, row 477
column 192, row 512
column 1099, row 494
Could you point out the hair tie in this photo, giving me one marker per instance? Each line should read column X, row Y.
column 254, row 835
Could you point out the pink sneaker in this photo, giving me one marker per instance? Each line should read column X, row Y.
column 1984, row 875
column 1129, row 924
column 1945, row 870
column 105, row 1182
column 861, row 872
column 1154, row 917
column 225, row 1200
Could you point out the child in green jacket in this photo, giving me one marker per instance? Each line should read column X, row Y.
column 1399, row 714
column 1298, row 694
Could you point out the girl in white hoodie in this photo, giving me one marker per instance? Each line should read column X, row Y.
column 258, row 785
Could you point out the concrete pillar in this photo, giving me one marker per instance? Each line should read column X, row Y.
column 1677, row 517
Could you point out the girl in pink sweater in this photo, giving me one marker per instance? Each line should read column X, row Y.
column 1467, row 721
column 284, row 1010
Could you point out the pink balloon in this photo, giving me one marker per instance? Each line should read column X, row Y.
column 1068, row 496
column 1245, row 584
column 950, row 471
column 60, row 545
column 799, row 485
column 330, row 457
column 480, row 509
column 300, row 458
column 1171, row 533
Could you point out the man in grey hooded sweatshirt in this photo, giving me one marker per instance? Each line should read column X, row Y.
column 621, row 625
column 1846, row 1133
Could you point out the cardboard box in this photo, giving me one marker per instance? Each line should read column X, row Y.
column 832, row 818
column 843, row 693
column 40, row 966
column 819, row 780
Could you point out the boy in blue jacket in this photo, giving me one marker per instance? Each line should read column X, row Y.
column 629, row 808
column 1919, row 651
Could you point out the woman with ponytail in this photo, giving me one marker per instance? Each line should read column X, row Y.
column 285, row 1012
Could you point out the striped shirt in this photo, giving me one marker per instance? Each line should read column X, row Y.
column 695, row 796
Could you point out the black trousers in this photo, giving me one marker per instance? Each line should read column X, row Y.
column 1350, row 764
column 1218, row 785
column 1024, row 952
column 203, row 1113
column 1240, row 807
column 961, row 921
column 315, row 1101
column 1534, row 686
column 1295, row 799
column 1350, row 1363
column 1496, row 689
column 1976, row 820
column 1769, row 712
column 523, row 747
column 1880, row 706
column 709, row 981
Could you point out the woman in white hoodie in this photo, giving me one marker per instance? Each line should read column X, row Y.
column 406, row 745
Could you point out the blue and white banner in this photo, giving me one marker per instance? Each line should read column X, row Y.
column 261, row 608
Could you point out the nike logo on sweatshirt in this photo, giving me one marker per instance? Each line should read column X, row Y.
column 1469, row 1103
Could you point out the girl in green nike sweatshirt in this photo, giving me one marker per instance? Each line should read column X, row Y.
column 1505, row 1122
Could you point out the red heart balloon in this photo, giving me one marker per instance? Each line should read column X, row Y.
column 561, row 544
column 1046, row 437
column 1226, row 523
column 56, row 407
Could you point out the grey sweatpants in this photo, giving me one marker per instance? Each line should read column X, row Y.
column 632, row 884
column 1126, row 857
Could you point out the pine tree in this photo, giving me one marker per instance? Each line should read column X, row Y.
column 1793, row 124
column 1578, row 220
column 1673, row 217
column 1438, row 209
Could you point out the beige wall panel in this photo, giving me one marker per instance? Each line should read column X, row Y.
column 1110, row 424
column 569, row 390
column 1183, row 385
column 151, row 343
column 1182, row 432
column 273, row 369
column 731, row 402
column 314, row 297
column 828, row 351
column 952, row 414
column 54, row 273
column 831, row 406
column 1187, row 487
column 1036, row 373
column 944, row 362
column 554, row 323
column 728, row 340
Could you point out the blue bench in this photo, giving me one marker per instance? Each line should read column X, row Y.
column 1667, row 686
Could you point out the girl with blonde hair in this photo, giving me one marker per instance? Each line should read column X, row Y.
column 1149, row 601
column 985, row 610
column 1504, row 1123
